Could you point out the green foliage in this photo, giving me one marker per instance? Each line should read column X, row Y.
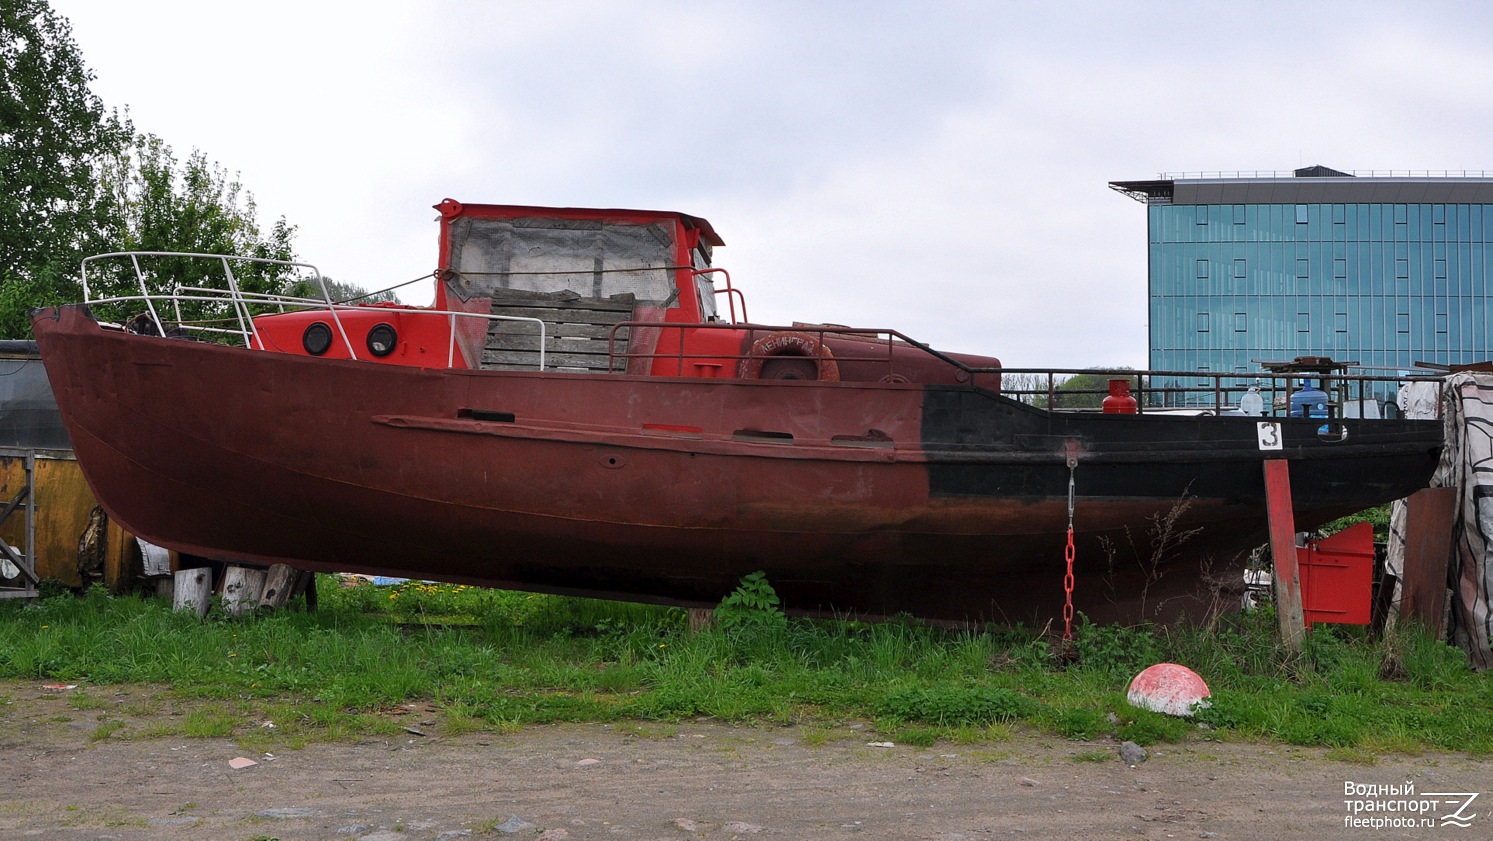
column 498, row 660
column 1378, row 517
column 76, row 180
column 1147, row 728
column 1087, row 391
column 53, row 130
column 339, row 292
column 753, row 604
column 162, row 204
column 1081, row 723
column 948, row 705
column 1116, row 649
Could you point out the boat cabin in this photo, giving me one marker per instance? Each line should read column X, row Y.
column 583, row 290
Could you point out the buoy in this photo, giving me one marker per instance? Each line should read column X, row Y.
column 1168, row 688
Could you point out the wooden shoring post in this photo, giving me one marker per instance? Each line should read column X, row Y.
column 1429, row 515
column 279, row 585
column 192, row 590
column 700, row 618
column 1283, row 553
column 241, row 589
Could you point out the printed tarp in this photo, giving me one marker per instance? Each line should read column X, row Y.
column 1466, row 463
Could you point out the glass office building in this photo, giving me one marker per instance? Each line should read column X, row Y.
column 1382, row 270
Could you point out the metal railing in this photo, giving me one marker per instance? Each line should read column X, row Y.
column 243, row 304
column 881, row 342
column 888, row 352
column 1346, row 395
column 732, row 293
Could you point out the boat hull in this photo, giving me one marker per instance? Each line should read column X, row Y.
column 946, row 502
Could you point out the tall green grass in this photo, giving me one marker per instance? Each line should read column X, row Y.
column 487, row 659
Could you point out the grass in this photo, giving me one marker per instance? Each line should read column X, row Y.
column 373, row 660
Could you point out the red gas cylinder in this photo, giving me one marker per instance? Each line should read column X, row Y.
column 1119, row 401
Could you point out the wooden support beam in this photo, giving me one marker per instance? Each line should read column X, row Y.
column 1429, row 516
column 1287, row 575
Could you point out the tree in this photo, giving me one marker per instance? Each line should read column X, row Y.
column 76, row 180
column 160, row 204
column 1087, row 391
column 53, row 130
column 1030, row 389
column 340, row 292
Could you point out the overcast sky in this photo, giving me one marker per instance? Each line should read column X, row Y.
column 938, row 168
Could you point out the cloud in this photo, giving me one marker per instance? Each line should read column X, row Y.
column 938, row 168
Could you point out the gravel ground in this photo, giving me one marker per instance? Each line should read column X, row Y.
column 696, row 779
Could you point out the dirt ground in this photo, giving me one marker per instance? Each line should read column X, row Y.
column 696, row 779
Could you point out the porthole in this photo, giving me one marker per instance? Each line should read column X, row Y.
column 317, row 338
column 382, row 339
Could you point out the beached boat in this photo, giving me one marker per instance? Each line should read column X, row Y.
column 586, row 409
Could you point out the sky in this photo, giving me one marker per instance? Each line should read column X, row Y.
column 941, row 168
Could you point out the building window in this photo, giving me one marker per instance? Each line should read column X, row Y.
column 1441, row 326
column 1301, row 214
column 1402, row 268
column 1202, row 322
column 1303, row 322
column 1339, row 268
column 1238, row 214
column 1202, row 269
column 1440, row 267
column 1339, row 214
column 1402, row 322
column 1204, row 381
column 1340, row 322
column 1239, row 269
column 1201, row 214
column 1241, row 322
column 1303, row 268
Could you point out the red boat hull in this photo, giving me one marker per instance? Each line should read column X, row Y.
column 947, row 502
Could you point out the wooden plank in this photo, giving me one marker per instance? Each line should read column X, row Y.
column 529, row 361
column 597, row 354
column 1429, row 517
column 553, row 316
column 555, row 344
column 561, row 300
column 580, row 310
column 577, row 331
column 600, row 332
column 1283, row 552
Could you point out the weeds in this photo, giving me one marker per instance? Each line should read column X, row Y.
column 483, row 660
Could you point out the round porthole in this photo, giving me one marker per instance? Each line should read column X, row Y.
column 382, row 339
column 317, row 338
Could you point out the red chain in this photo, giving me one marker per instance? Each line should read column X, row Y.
column 1068, row 590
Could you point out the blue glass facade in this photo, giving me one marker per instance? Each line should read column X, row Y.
column 1249, row 270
